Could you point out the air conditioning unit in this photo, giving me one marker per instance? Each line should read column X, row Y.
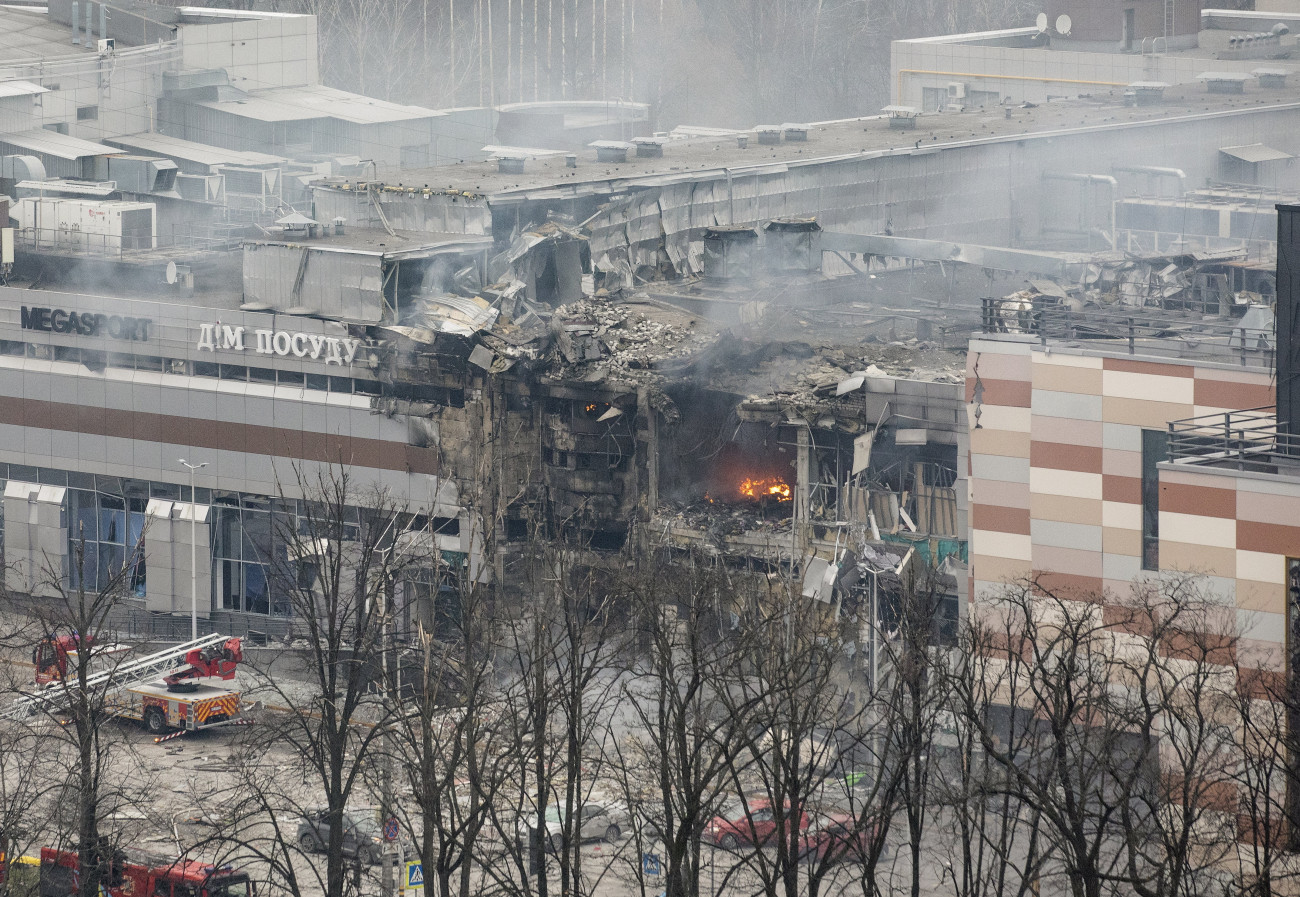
column 956, row 90
column 106, row 46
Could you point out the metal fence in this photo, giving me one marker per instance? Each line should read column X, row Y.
column 1244, row 440
column 1137, row 331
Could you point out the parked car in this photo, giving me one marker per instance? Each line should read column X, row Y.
column 362, row 838
column 836, row 837
column 754, row 822
column 596, row 822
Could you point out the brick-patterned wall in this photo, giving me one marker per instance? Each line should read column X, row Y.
column 1056, row 468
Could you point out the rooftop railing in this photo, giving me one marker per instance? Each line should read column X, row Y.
column 1242, row 440
column 1134, row 331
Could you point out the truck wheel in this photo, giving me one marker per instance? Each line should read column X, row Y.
column 155, row 721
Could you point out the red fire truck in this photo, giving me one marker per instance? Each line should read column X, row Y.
column 143, row 877
column 132, row 686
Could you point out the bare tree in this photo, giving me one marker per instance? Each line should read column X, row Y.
column 676, row 761
column 70, row 630
column 334, row 564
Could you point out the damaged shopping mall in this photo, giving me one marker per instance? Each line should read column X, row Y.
column 749, row 346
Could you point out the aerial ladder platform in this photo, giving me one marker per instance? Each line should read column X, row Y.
column 158, row 689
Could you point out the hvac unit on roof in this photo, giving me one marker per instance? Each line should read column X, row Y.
column 956, row 90
column 106, row 46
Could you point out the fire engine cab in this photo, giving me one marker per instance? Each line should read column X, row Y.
column 145, row 877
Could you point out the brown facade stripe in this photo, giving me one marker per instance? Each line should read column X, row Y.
column 1272, row 538
column 1069, row 585
column 1267, row 685
column 1179, row 498
column 1000, row 519
column 1125, row 489
column 1010, row 393
column 1065, row 456
column 1227, row 394
column 325, row 448
column 1148, row 367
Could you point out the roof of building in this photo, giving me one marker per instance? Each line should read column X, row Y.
column 317, row 101
column 1255, row 152
column 20, row 89
column 704, row 157
column 29, row 36
column 52, row 143
column 370, row 241
column 188, row 150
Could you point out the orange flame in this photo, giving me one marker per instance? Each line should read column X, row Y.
column 770, row 486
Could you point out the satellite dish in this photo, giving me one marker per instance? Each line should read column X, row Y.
column 171, row 272
column 1063, row 24
column 1041, row 21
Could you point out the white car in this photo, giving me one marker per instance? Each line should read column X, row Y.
column 597, row 822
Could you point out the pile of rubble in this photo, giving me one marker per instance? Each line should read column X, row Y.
column 634, row 341
column 719, row 520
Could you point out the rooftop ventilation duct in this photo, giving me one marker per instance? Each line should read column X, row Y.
column 611, row 150
column 729, row 252
column 768, row 134
column 795, row 133
column 510, row 164
column 649, row 147
column 792, row 246
column 21, row 168
column 141, row 174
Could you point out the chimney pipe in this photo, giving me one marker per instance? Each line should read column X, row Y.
column 89, row 23
column 76, row 38
column 103, row 21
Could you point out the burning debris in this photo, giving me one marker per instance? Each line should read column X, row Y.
column 766, row 488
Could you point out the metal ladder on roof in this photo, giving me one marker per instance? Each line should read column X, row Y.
column 124, row 675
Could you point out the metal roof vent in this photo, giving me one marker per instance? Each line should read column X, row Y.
column 649, row 147
column 902, row 118
column 742, row 140
column 297, row 224
column 1148, row 93
column 510, row 164
column 570, row 160
column 768, row 134
column 729, row 251
column 795, row 132
column 611, row 150
column 1273, row 79
column 1224, row 82
column 792, row 246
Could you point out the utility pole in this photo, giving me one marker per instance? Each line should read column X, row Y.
column 387, row 884
column 194, row 538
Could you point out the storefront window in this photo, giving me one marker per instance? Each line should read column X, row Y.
column 111, row 527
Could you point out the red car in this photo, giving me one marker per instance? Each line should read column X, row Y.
column 752, row 822
column 836, row 837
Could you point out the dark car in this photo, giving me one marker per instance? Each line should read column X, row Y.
column 753, row 822
column 362, row 839
column 836, row 837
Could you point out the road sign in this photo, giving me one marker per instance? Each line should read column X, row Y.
column 650, row 864
column 414, row 875
column 391, row 828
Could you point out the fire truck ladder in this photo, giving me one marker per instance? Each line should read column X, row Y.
column 124, row 675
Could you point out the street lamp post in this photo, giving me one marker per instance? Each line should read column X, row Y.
column 194, row 539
